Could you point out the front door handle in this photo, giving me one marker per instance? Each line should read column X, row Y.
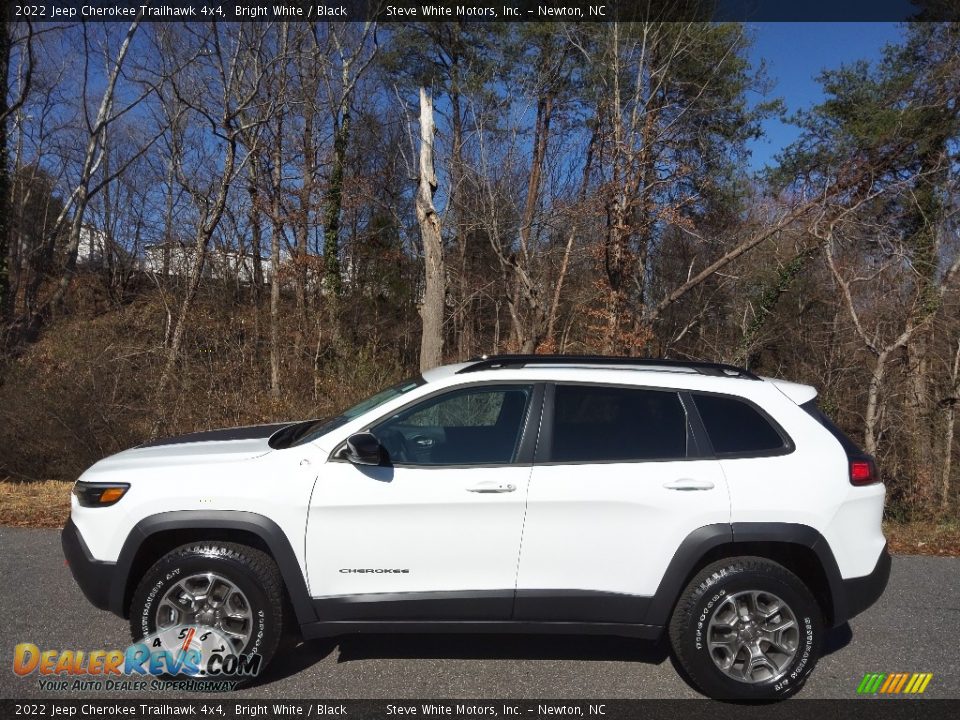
column 689, row 484
column 489, row 486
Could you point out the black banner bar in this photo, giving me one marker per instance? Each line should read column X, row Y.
column 485, row 10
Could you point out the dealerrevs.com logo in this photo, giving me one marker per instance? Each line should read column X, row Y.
column 182, row 657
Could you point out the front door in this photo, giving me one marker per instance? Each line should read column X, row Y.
column 434, row 531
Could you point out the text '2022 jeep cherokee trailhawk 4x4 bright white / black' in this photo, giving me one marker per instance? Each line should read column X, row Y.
column 507, row 494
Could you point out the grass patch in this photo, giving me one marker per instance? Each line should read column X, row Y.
column 924, row 537
column 46, row 504
column 42, row 504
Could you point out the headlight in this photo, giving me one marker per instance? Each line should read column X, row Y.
column 91, row 494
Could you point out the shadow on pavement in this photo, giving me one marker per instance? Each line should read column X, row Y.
column 837, row 639
column 486, row 647
column 502, row 647
column 291, row 661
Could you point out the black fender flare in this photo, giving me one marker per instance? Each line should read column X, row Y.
column 702, row 540
column 263, row 527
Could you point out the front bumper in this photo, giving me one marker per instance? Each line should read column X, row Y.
column 862, row 592
column 95, row 577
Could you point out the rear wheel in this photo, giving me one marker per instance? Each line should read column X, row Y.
column 746, row 628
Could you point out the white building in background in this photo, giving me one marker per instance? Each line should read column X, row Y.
column 92, row 247
column 220, row 264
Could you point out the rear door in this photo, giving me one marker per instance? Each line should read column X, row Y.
column 618, row 483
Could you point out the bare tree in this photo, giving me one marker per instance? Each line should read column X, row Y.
column 883, row 346
column 352, row 56
column 432, row 306
column 235, row 73
column 951, row 401
column 93, row 157
column 9, row 38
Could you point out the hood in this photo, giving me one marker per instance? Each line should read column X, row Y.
column 208, row 447
column 248, row 432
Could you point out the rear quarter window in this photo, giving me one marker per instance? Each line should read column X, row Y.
column 735, row 427
column 849, row 446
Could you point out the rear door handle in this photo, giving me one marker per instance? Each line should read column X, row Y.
column 689, row 484
column 492, row 487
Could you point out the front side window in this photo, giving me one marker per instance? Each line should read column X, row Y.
column 473, row 426
column 607, row 424
column 736, row 428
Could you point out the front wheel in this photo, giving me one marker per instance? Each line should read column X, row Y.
column 233, row 590
column 746, row 628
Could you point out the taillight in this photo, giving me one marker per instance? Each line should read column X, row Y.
column 863, row 472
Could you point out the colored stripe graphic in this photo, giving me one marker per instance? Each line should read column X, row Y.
column 870, row 683
column 903, row 680
column 894, row 683
column 918, row 683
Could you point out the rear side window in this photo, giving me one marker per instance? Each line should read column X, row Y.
column 737, row 428
column 609, row 424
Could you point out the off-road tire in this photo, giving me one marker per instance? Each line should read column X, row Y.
column 251, row 570
column 702, row 598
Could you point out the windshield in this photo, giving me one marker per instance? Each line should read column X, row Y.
column 310, row 430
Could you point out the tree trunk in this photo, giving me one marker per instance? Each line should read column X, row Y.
column 565, row 263
column 871, row 417
column 256, row 248
column 463, row 324
column 334, row 201
column 918, row 417
column 6, row 305
column 302, row 226
column 947, row 464
column 92, row 159
column 532, row 334
column 431, row 309
column 168, row 209
column 276, row 237
column 205, row 232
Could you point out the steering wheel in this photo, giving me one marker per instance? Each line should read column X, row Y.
column 395, row 444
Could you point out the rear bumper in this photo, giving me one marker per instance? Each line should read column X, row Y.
column 862, row 592
column 95, row 577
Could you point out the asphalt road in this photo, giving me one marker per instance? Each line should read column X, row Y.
column 914, row 628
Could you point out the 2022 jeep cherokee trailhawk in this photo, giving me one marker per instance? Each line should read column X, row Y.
column 554, row 494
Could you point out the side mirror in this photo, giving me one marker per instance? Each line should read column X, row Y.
column 363, row 449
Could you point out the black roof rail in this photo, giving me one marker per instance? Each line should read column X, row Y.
column 494, row 362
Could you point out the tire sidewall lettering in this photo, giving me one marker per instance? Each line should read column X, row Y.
column 168, row 577
column 712, row 590
column 703, row 618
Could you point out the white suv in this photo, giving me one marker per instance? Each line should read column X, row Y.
column 550, row 494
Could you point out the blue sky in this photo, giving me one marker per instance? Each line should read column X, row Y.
column 795, row 53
